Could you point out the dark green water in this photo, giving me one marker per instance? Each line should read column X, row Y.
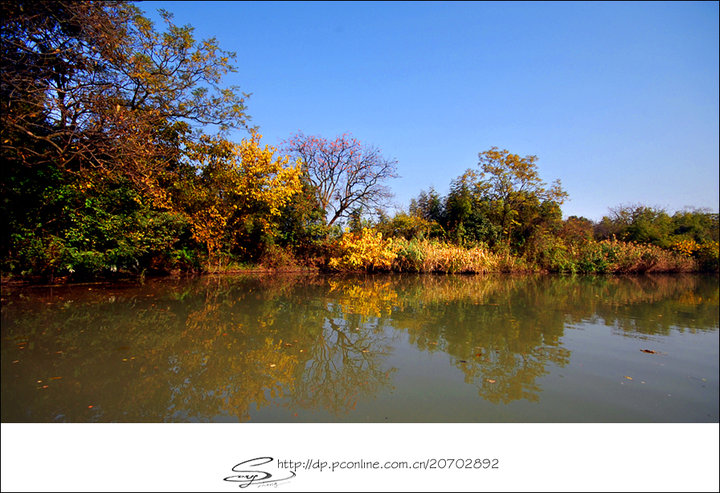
column 401, row 348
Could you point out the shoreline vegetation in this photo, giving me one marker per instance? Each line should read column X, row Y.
column 119, row 163
column 368, row 252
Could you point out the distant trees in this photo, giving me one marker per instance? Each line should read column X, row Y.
column 346, row 174
column 643, row 224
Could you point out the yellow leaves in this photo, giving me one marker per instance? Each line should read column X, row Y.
column 365, row 250
column 208, row 226
column 685, row 247
column 370, row 251
column 241, row 181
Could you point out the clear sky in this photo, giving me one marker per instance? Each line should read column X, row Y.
column 617, row 100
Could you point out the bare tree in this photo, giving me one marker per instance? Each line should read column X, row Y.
column 346, row 174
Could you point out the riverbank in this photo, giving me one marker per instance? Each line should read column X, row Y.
column 368, row 251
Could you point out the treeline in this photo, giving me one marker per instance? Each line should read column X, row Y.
column 117, row 159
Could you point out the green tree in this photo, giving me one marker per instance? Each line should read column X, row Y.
column 428, row 206
column 637, row 223
column 407, row 226
column 700, row 225
column 467, row 219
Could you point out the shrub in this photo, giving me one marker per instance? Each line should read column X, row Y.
column 364, row 250
column 275, row 257
column 707, row 256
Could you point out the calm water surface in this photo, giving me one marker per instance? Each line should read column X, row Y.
column 399, row 348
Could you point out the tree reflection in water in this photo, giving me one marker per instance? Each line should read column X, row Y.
column 223, row 348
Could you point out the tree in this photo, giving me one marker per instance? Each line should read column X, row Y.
column 700, row 225
column 346, row 174
column 466, row 211
column 515, row 193
column 428, row 206
column 99, row 112
column 638, row 223
column 238, row 193
column 577, row 230
column 93, row 85
column 408, row 226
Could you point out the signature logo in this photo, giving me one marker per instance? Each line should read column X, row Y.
column 249, row 472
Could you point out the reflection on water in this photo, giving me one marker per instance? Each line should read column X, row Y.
column 370, row 348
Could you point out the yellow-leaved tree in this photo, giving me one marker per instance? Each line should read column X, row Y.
column 237, row 193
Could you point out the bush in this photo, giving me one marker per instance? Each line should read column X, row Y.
column 365, row 250
column 707, row 256
column 275, row 257
column 410, row 256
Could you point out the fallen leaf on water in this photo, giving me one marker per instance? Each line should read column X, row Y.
column 491, row 380
column 649, row 351
column 629, row 378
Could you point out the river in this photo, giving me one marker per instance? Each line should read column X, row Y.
column 372, row 348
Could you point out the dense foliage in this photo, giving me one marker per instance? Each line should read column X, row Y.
column 117, row 159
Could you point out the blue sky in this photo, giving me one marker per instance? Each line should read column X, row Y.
column 617, row 100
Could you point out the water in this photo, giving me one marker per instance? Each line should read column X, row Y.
column 386, row 348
